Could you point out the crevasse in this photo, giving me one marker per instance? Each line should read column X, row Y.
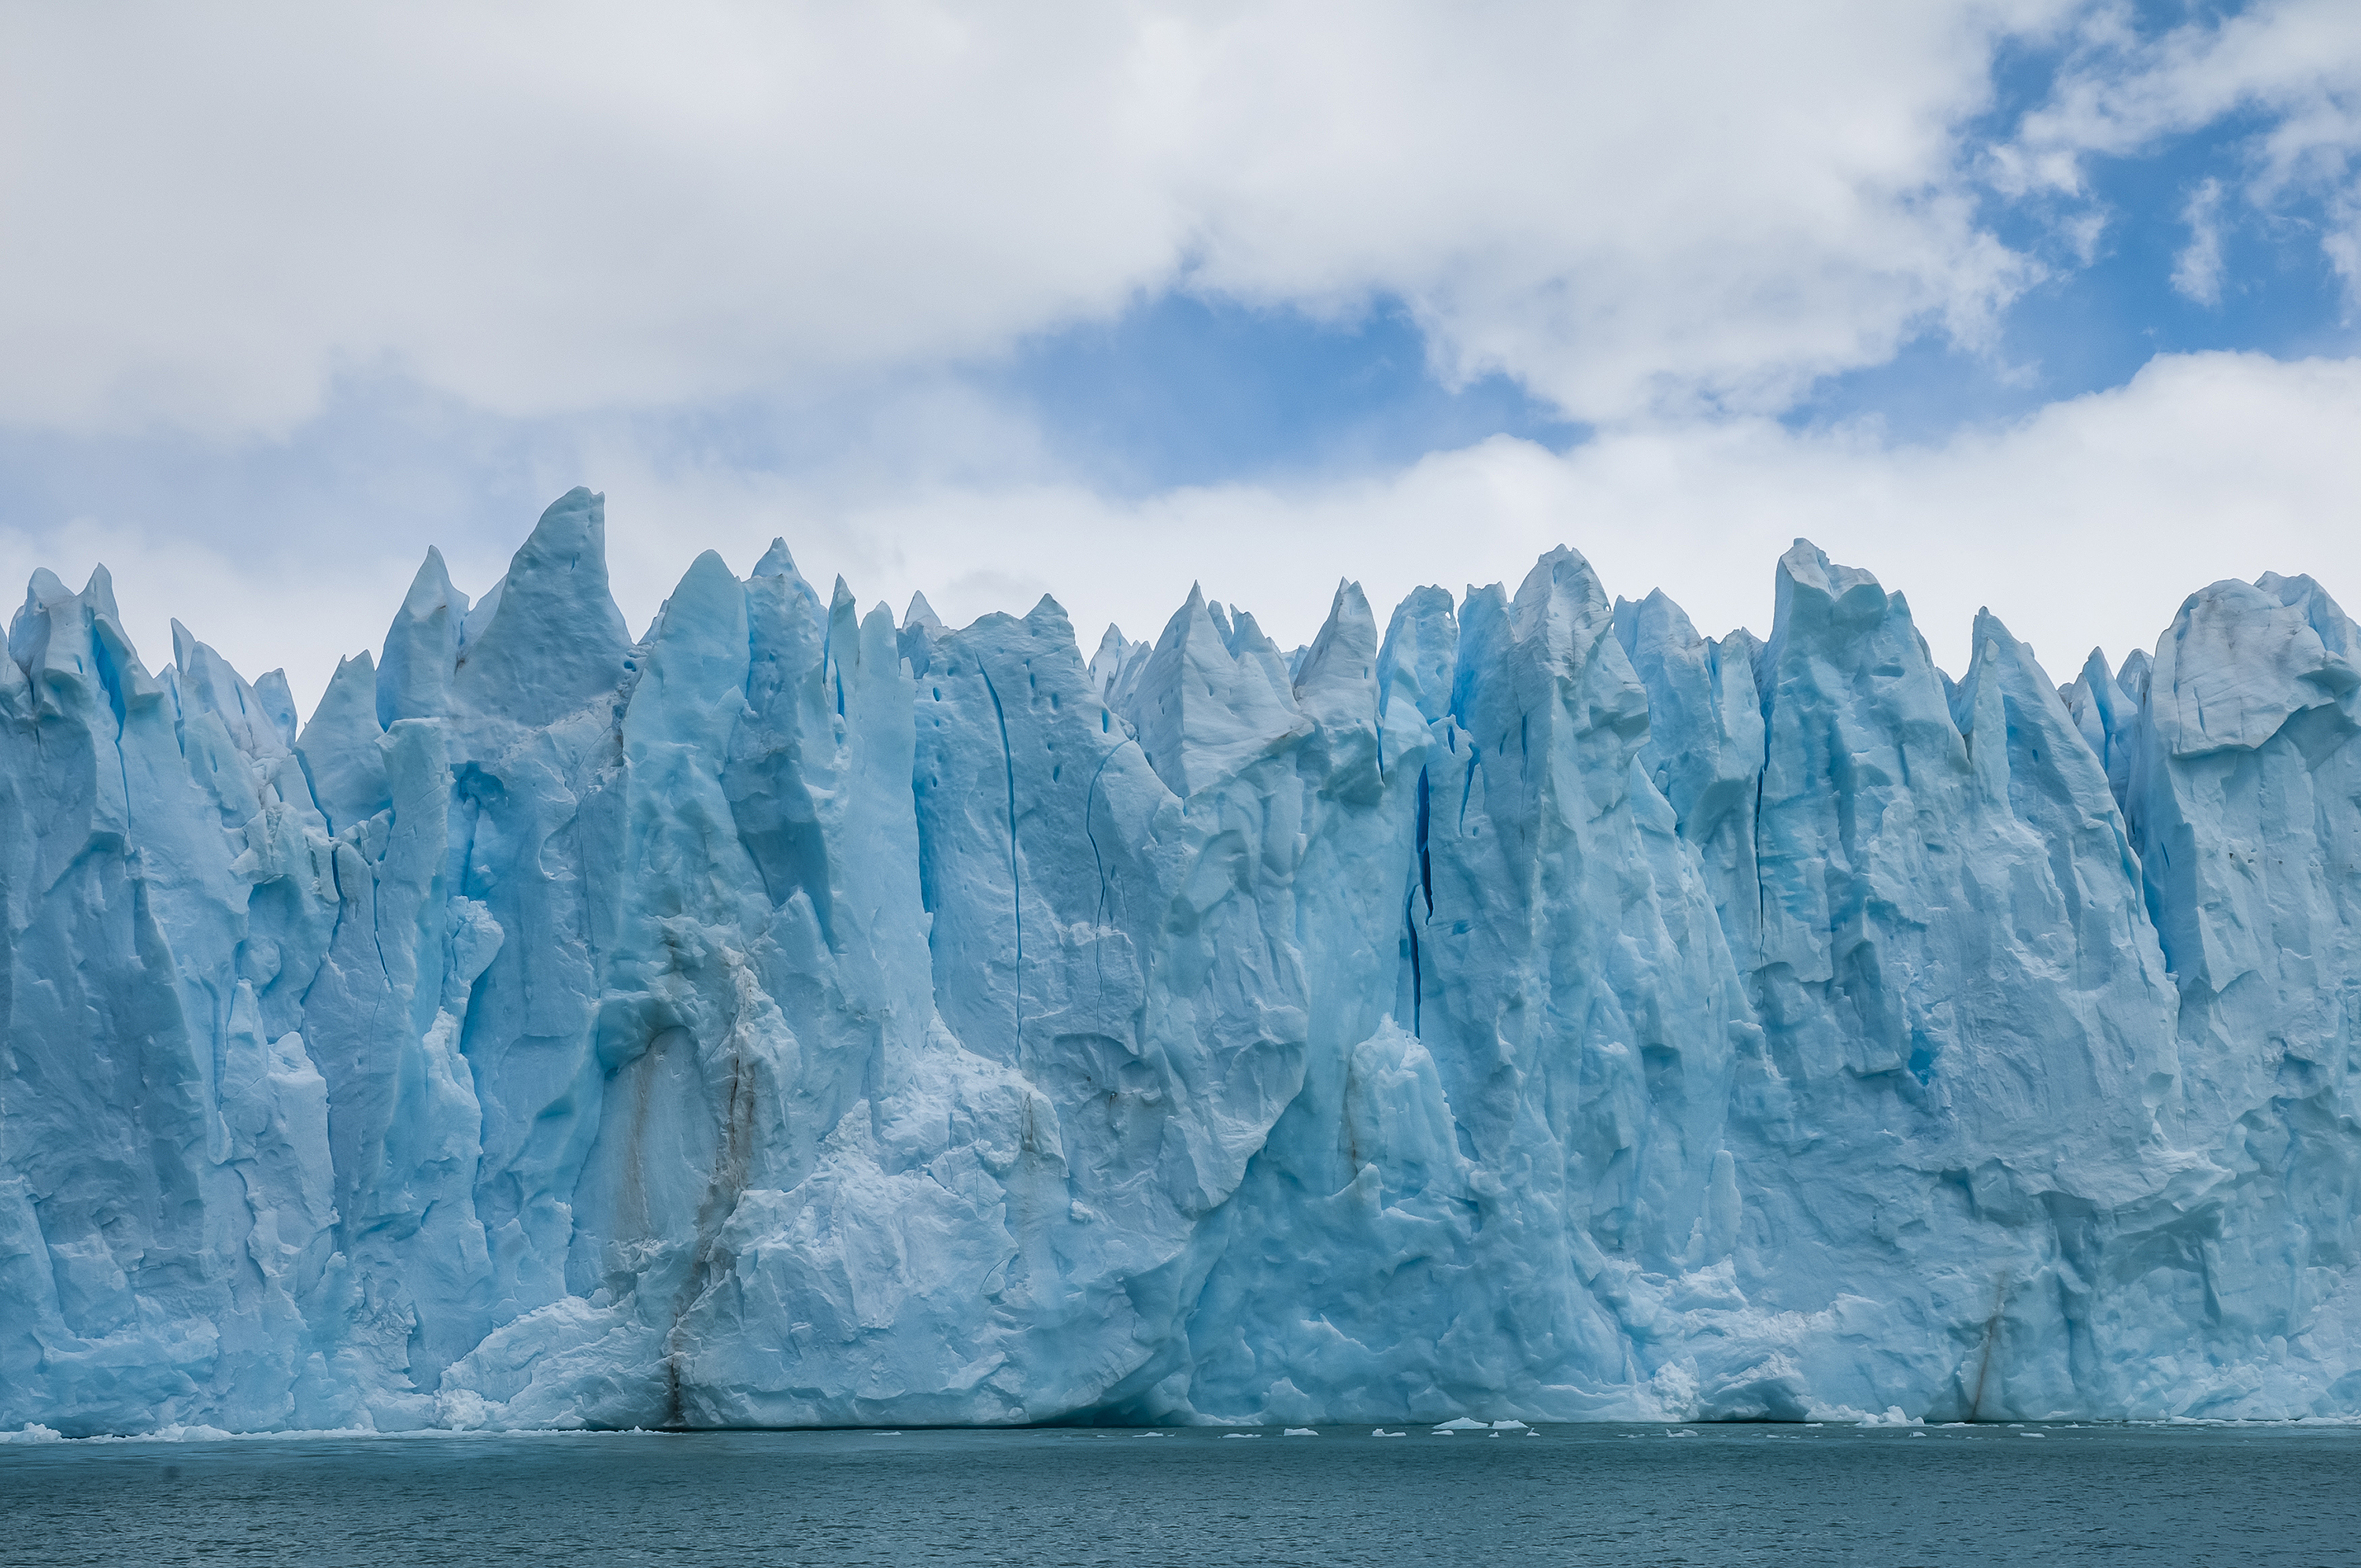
column 1533, row 1011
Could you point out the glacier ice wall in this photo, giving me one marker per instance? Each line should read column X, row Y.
column 1531, row 1008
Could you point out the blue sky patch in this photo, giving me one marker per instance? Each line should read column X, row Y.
column 1182, row 389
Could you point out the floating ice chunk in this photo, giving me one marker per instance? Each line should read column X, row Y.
column 1893, row 1417
column 1460, row 1423
column 1509, row 1426
column 1299, row 1431
column 1380, row 1431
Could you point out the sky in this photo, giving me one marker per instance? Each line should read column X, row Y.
column 2044, row 306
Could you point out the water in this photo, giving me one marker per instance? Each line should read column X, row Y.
column 1726, row 1496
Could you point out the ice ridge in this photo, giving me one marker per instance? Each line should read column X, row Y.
column 1530, row 1010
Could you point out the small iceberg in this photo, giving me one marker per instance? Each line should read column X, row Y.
column 1380, row 1431
column 1459, row 1423
column 1299, row 1431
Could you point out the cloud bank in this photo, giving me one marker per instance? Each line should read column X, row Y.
column 746, row 269
column 548, row 209
column 2087, row 523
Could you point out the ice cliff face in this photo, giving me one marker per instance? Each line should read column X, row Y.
column 1532, row 1009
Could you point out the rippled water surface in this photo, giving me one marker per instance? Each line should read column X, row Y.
column 1572, row 1494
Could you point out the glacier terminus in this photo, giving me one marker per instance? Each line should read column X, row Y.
column 1523, row 1009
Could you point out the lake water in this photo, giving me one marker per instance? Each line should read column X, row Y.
column 1591, row 1495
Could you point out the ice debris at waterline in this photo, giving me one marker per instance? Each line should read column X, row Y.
column 1534, row 1011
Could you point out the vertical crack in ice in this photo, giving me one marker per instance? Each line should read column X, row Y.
column 1098, row 860
column 110, row 679
column 1417, row 974
column 1762, row 893
column 1409, row 917
column 733, row 1164
column 1992, row 1333
column 1016, row 889
column 1425, row 865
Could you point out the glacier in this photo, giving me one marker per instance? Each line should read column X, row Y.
column 1528, row 1010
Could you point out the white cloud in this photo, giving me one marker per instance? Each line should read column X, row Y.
column 556, row 221
column 2088, row 522
column 207, row 213
column 2300, row 60
column 2295, row 65
column 2197, row 270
